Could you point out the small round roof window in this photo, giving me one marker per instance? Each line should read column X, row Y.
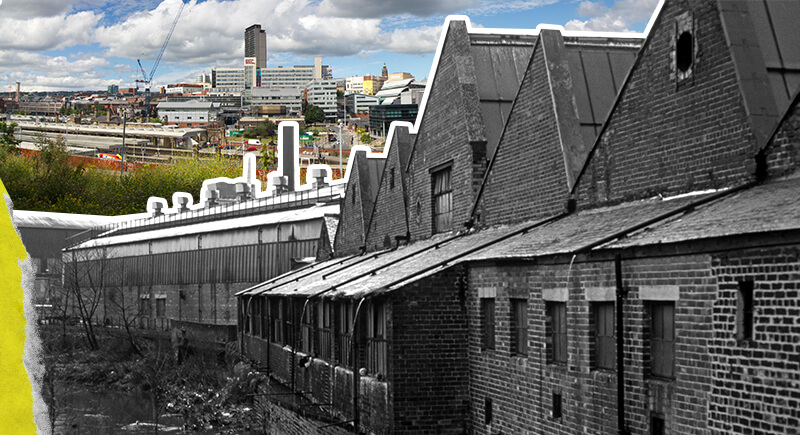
column 683, row 52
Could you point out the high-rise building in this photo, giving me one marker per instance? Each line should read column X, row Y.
column 255, row 45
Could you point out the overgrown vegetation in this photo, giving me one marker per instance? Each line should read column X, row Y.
column 49, row 182
column 206, row 393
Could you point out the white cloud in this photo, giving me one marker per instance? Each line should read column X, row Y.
column 18, row 60
column 618, row 18
column 383, row 8
column 35, row 8
column 47, row 33
column 422, row 40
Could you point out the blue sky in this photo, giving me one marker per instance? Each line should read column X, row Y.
column 90, row 44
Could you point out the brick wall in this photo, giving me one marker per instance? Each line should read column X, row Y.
column 670, row 135
column 350, row 231
column 390, row 216
column 428, row 364
column 756, row 382
column 527, row 178
column 521, row 387
column 451, row 131
column 783, row 152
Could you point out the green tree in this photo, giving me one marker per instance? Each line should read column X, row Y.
column 7, row 140
column 314, row 114
column 366, row 138
column 268, row 158
column 264, row 130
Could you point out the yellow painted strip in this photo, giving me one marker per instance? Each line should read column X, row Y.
column 16, row 394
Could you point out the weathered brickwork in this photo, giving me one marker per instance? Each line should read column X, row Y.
column 521, row 387
column 756, row 381
column 350, row 231
column 702, row 137
column 451, row 132
column 429, row 359
column 783, row 152
column 389, row 219
column 529, row 150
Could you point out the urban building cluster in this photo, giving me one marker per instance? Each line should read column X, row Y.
column 580, row 233
column 253, row 90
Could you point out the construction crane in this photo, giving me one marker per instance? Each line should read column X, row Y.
column 146, row 79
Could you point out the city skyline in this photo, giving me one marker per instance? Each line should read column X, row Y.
column 71, row 45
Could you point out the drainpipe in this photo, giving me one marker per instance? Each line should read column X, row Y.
column 622, row 293
column 356, row 374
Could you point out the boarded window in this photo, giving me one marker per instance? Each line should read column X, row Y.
column 557, row 411
column 487, row 317
column 557, row 332
column 519, row 327
column 662, row 339
column 376, row 339
column 604, row 343
column 442, row 201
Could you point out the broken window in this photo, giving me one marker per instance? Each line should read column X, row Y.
column 324, row 329
column 442, row 201
column 376, row 338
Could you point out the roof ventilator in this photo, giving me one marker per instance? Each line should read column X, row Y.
column 281, row 185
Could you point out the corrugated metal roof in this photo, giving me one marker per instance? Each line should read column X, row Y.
column 40, row 219
column 598, row 71
column 500, row 65
column 778, row 35
column 313, row 212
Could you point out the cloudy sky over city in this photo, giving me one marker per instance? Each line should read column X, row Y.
column 90, row 44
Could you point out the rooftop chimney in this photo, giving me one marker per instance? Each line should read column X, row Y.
column 182, row 204
column 281, row 185
column 157, row 206
column 288, row 162
column 318, row 174
column 211, row 198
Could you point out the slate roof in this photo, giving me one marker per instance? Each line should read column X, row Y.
column 772, row 206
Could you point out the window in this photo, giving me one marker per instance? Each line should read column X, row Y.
column 684, row 49
column 557, row 332
column 344, row 333
column 391, row 179
column 161, row 307
column 557, row 410
column 442, row 201
column 255, row 319
column 324, row 330
column 307, row 328
column 744, row 311
column 487, row 316
column 662, row 339
column 604, row 344
column 276, row 315
column 519, row 327
column 144, row 306
column 487, row 410
column 656, row 425
column 376, row 334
